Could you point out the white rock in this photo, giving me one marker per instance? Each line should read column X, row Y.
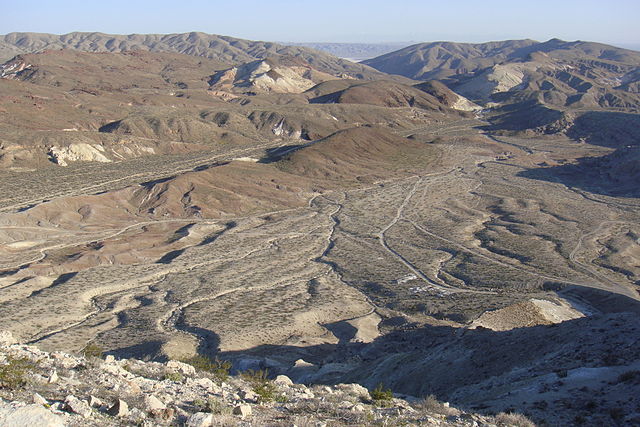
column 154, row 404
column 94, row 402
column 248, row 395
column 39, row 400
column 6, row 338
column 283, row 379
column 358, row 408
column 53, row 377
column 181, row 367
column 119, row 409
column 200, row 419
column 109, row 358
column 77, row 406
column 27, row 416
column 242, row 410
column 355, row 390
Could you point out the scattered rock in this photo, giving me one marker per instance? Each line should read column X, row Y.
column 119, row 409
column 283, row 379
column 355, row 389
column 77, row 406
column 200, row 419
column 248, row 395
column 242, row 410
column 94, row 402
column 181, row 367
column 53, row 377
column 152, row 403
column 6, row 338
column 39, row 400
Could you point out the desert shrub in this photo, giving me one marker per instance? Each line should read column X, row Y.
column 513, row 419
column 92, row 350
column 380, row 394
column 173, row 376
column 215, row 406
column 262, row 386
column 433, row 405
column 255, row 376
column 13, row 374
column 267, row 392
column 219, row 368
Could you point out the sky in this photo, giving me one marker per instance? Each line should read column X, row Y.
column 614, row 21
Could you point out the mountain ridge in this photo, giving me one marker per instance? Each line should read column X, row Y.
column 223, row 48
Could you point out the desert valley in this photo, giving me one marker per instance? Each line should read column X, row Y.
column 448, row 220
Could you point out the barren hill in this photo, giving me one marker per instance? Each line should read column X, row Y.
column 221, row 48
column 440, row 60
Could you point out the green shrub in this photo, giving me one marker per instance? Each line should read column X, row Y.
column 219, row 368
column 13, row 374
column 262, row 386
column 215, row 406
column 255, row 377
column 173, row 376
column 92, row 350
column 380, row 394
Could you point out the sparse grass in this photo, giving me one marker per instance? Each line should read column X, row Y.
column 433, row 405
column 219, row 368
column 513, row 420
column 14, row 373
column 92, row 350
column 174, row 376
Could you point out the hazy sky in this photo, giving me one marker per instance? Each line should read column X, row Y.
column 614, row 21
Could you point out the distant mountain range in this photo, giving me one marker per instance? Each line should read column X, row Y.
column 229, row 50
column 578, row 74
column 354, row 51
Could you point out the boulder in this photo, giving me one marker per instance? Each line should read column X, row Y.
column 283, row 380
column 152, row 404
column 39, row 400
column 12, row 414
column 200, row 419
column 248, row 395
column 53, row 377
column 242, row 410
column 77, row 406
column 181, row 367
column 119, row 409
column 94, row 402
column 354, row 390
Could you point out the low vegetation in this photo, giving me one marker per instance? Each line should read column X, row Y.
column 219, row 368
column 14, row 373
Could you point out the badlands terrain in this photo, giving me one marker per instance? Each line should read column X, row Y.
column 449, row 219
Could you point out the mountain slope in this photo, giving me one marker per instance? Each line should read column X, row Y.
column 225, row 49
column 438, row 60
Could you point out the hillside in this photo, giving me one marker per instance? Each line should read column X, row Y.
column 60, row 389
column 221, row 48
column 562, row 74
column 439, row 60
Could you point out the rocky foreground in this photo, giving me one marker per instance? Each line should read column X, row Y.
column 44, row 389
